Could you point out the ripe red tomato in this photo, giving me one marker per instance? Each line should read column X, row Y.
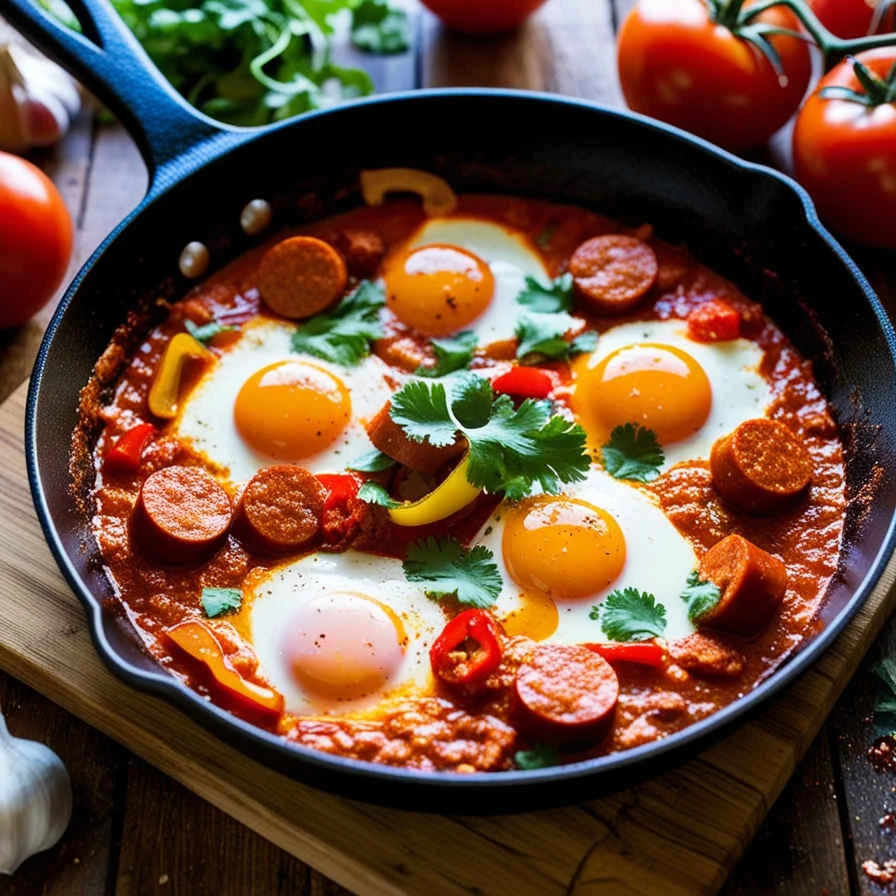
column 678, row 65
column 844, row 154
column 35, row 239
column 850, row 18
column 481, row 16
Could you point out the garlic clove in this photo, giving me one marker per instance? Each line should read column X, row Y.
column 35, row 799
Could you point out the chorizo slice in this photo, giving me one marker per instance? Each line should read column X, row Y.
column 363, row 251
column 182, row 514
column 566, row 694
column 281, row 509
column 387, row 436
column 760, row 466
column 301, row 276
column 613, row 272
column 702, row 654
column 752, row 584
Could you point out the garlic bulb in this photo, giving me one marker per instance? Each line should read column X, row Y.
column 35, row 799
column 38, row 100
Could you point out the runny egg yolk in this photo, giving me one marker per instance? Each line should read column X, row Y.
column 291, row 410
column 438, row 289
column 656, row 386
column 562, row 547
column 343, row 644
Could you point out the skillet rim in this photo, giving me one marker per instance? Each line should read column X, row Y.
column 341, row 773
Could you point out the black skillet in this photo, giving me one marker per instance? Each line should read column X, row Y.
column 751, row 223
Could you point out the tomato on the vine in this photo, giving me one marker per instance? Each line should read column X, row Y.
column 478, row 17
column 844, row 148
column 35, row 239
column 705, row 67
column 851, row 18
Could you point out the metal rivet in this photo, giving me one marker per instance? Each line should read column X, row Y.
column 194, row 260
column 256, row 216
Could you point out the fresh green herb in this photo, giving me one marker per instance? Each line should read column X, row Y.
column 447, row 568
column 216, row 601
column 885, row 705
column 544, row 238
column 630, row 615
column 344, row 334
column 372, row 462
column 547, row 299
column 542, row 335
column 633, row 452
column 540, row 756
column 373, row 493
column 451, row 354
column 510, row 448
column 380, row 27
column 700, row 596
column 206, row 332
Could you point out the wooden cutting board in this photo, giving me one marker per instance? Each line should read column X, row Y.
column 680, row 833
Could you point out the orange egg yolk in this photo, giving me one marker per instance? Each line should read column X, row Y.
column 562, row 547
column 656, row 386
column 343, row 645
column 536, row 617
column 438, row 289
column 291, row 410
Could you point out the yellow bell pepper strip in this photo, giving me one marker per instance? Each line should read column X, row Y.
column 165, row 390
column 198, row 641
column 438, row 198
column 451, row 495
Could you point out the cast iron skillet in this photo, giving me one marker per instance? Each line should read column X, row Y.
column 752, row 224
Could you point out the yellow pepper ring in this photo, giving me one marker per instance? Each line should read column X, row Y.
column 165, row 390
column 453, row 494
column 438, row 197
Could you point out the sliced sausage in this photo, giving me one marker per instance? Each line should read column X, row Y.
column 363, row 251
column 181, row 514
column 613, row 272
column 388, row 437
column 751, row 580
column 566, row 694
column 673, row 264
column 761, row 466
column 281, row 509
column 702, row 654
column 301, row 276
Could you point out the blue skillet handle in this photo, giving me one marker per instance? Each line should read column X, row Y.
column 172, row 136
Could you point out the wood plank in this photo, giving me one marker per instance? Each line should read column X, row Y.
column 677, row 834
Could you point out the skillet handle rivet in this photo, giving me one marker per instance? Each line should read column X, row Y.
column 256, row 216
column 194, row 260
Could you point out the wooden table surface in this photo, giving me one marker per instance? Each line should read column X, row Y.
column 136, row 831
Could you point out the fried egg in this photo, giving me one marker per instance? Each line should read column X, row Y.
column 341, row 634
column 689, row 393
column 561, row 555
column 262, row 403
column 461, row 273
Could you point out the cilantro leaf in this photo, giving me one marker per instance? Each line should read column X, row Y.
column 206, row 332
column 343, row 335
column 540, row 756
column 380, row 27
column 543, row 335
column 421, row 409
column 373, row 493
column 556, row 297
column 700, row 596
column 372, row 462
column 451, row 354
column 630, row 615
column 217, row 601
column 447, row 568
column 633, row 452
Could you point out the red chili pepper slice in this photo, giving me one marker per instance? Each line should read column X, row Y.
column 126, row 452
column 525, row 382
column 644, row 653
column 341, row 488
column 468, row 650
column 714, row 321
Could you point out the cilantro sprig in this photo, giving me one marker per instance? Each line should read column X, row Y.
column 511, row 449
column 700, row 596
column 380, row 27
column 446, row 568
column 542, row 335
column 630, row 615
column 885, row 704
column 451, row 354
column 206, row 332
column 633, row 452
column 547, row 299
column 344, row 334
column 217, row 601
column 372, row 461
column 540, row 756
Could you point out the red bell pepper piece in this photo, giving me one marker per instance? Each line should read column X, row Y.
column 468, row 650
column 341, row 488
column 525, row 382
column 714, row 321
column 126, row 452
column 644, row 653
